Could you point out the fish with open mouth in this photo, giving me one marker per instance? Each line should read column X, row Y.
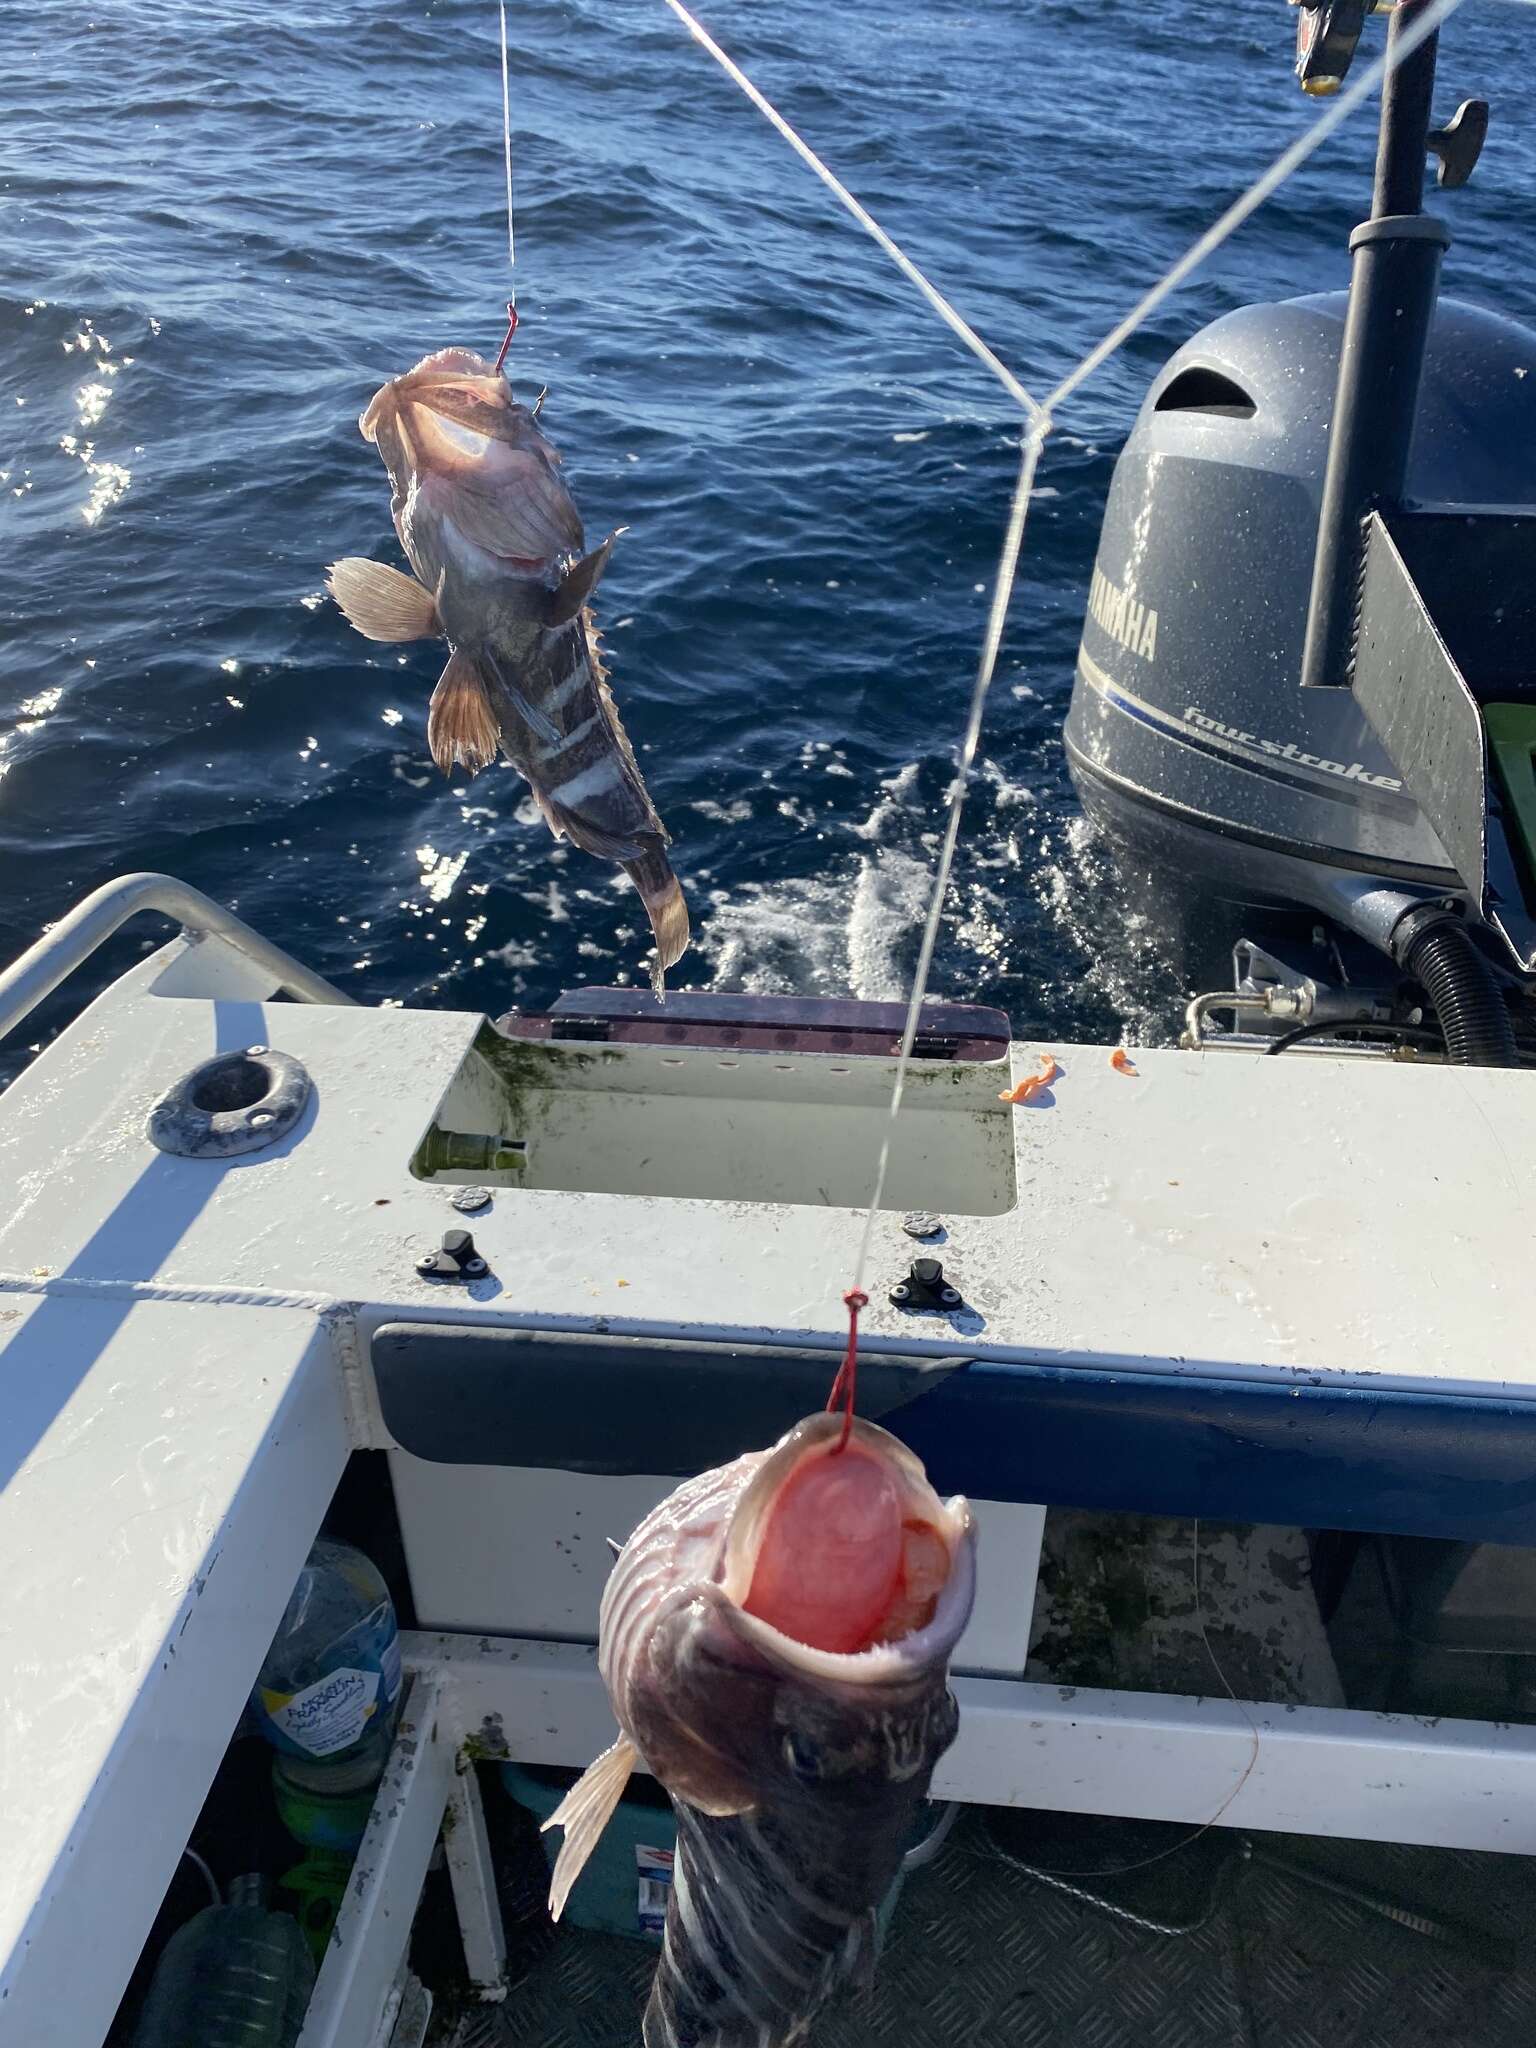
column 497, row 547
column 775, row 1639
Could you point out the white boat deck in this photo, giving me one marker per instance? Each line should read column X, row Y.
column 1305, row 1214
column 185, row 1356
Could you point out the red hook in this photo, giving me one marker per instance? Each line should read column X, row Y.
column 511, row 330
column 845, row 1386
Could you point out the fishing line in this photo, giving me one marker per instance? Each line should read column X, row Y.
column 866, row 220
column 506, row 132
column 1262, row 188
column 506, row 137
column 1002, row 593
column 845, row 1387
column 1214, row 236
column 1040, row 419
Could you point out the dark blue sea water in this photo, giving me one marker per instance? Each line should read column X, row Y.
column 226, row 224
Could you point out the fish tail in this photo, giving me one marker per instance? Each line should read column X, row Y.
column 663, row 898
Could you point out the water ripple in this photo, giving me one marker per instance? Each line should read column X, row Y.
column 227, row 223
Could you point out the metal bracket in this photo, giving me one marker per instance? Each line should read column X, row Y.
column 92, row 922
column 456, row 1259
column 925, row 1287
column 1459, row 144
column 1447, row 620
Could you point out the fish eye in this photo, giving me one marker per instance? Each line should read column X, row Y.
column 803, row 1757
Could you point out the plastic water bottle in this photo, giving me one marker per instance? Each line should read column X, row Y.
column 235, row 1976
column 328, row 1695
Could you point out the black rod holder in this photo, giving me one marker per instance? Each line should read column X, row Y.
column 1386, row 329
column 1393, row 286
column 1406, row 117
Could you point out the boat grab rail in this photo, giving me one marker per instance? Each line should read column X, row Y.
column 81, row 931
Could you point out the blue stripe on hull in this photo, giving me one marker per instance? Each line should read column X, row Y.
column 1314, row 1455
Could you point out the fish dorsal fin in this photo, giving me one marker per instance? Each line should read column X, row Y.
column 577, row 584
column 584, row 1812
column 461, row 726
column 381, row 602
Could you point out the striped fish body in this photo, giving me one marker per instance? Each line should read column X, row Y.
column 496, row 545
column 772, row 1914
column 796, row 1771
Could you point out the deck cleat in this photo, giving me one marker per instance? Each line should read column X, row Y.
column 456, row 1259
column 925, row 1287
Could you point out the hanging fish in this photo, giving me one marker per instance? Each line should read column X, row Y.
column 497, row 546
column 775, row 1640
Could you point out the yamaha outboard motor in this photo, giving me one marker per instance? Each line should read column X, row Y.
column 1305, row 704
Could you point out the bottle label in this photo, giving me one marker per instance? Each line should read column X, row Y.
column 362, row 1680
column 327, row 1716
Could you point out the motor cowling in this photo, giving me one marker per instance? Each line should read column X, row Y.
column 1189, row 734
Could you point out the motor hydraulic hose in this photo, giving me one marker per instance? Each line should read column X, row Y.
column 1441, row 955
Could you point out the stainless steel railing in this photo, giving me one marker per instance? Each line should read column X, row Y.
column 38, row 972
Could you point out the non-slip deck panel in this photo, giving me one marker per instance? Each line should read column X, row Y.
column 1308, row 1454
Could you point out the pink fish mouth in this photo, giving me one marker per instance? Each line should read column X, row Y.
column 845, row 1562
column 444, row 370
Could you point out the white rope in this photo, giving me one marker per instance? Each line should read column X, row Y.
column 861, row 214
column 1339, row 109
column 1041, row 420
column 1013, row 540
column 1002, row 592
column 506, row 129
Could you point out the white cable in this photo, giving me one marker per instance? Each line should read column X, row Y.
column 1002, row 591
column 861, row 214
column 506, row 126
column 1229, row 221
column 1338, row 110
column 1040, row 417
column 200, row 1863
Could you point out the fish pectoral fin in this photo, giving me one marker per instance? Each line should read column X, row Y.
column 538, row 721
column 584, row 1812
column 381, row 602
column 577, row 585
column 461, row 726
column 861, row 1951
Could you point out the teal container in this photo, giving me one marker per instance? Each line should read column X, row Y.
column 628, row 1877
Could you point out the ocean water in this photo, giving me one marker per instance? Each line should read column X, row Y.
column 227, row 224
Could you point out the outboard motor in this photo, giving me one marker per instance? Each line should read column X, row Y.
column 1305, row 705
